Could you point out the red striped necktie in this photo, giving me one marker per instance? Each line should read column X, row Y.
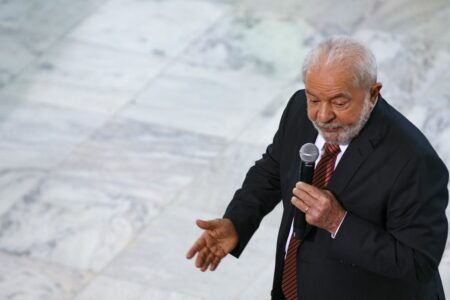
column 322, row 175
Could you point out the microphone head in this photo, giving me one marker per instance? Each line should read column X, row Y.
column 309, row 153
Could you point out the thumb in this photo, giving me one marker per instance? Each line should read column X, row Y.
column 207, row 225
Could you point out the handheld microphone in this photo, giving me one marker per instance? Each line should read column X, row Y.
column 308, row 156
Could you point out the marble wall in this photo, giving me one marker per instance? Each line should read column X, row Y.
column 122, row 121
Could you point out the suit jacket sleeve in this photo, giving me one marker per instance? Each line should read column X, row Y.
column 411, row 244
column 260, row 191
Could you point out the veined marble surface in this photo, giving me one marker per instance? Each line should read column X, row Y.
column 163, row 28
column 25, row 278
column 123, row 121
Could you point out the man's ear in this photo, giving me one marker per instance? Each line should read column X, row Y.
column 375, row 91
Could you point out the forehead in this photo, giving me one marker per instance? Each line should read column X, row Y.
column 331, row 78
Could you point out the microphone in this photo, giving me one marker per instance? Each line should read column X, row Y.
column 308, row 156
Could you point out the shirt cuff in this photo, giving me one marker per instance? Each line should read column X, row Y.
column 333, row 235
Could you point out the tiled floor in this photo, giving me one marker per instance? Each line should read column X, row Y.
column 122, row 121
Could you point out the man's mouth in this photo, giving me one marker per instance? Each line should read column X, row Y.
column 330, row 129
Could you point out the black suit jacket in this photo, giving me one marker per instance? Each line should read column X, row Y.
column 394, row 188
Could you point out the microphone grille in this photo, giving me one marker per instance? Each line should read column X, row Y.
column 309, row 152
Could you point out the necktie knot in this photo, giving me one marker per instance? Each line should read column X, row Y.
column 332, row 149
column 325, row 167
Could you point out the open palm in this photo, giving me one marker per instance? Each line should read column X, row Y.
column 218, row 239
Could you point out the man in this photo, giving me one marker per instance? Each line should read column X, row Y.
column 374, row 215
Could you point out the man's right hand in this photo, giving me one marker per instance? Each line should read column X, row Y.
column 218, row 239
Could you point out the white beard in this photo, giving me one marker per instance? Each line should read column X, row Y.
column 346, row 132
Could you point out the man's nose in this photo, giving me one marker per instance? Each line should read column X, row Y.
column 325, row 113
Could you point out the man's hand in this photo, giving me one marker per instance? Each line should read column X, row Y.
column 218, row 239
column 320, row 206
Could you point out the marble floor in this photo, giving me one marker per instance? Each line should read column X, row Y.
column 122, row 121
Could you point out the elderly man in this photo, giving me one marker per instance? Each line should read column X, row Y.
column 374, row 215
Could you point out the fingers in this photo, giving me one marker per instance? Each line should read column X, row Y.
column 300, row 204
column 214, row 264
column 310, row 194
column 208, row 253
column 215, row 243
column 206, row 259
column 199, row 244
column 202, row 241
column 312, row 191
column 304, row 197
column 207, row 225
column 201, row 257
column 209, row 258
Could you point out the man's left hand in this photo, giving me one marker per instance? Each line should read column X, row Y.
column 320, row 206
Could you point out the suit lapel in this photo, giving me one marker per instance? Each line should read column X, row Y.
column 358, row 151
column 354, row 156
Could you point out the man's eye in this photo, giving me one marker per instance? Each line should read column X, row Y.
column 340, row 104
column 313, row 101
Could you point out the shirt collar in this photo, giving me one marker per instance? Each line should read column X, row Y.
column 320, row 143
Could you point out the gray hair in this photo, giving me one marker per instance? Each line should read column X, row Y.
column 347, row 53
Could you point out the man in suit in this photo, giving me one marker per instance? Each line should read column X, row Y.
column 374, row 216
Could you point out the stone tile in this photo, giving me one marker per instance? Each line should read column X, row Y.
column 88, row 66
column 25, row 279
column 101, row 101
column 146, row 157
column 160, row 27
column 18, row 51
column 404, row 63
column 415, row 18
column 28, row 29
column 158, row 293
column 53, row 17
column 262, row 128
column 15, row 184
column 40, row 136
column 203, row 100
column 81, row 222
column 85, row 77
column 213, row 188
column 261, row 285
column 153, row 260
column 432, row 27
column 103, row 287
column 112, row 289
column 268, row 45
